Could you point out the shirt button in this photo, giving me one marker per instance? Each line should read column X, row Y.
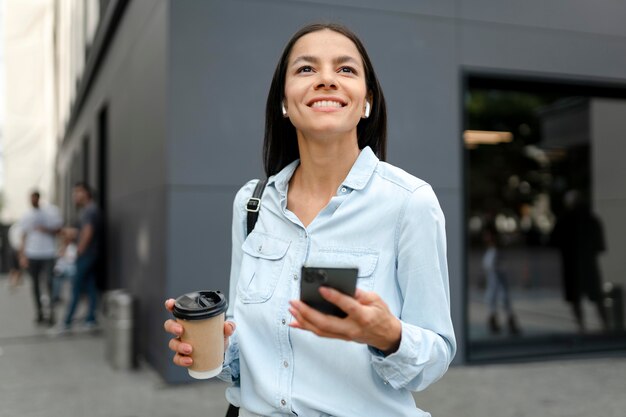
column 260, row 248
column 343, row 190
column 284, row 321
column 283, row 402
column 295, row 277
column 286, row 364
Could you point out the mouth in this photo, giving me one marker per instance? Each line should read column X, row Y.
column 329, row 103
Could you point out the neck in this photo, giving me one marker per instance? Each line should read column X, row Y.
column 325, row 163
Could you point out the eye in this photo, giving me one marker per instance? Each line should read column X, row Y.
column 347, row 70
column 306, row 68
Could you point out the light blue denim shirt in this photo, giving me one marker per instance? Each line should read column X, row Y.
column 383, row 221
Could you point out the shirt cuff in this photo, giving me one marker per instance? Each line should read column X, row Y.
column 230, row 367
column 389, row 367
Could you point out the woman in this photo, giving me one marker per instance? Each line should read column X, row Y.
column 330, row 200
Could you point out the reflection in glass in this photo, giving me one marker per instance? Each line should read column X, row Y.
column 579, row 237
column 541, row 271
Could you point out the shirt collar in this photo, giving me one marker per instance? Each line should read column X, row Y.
column 281, row 180
column 357, row 178
column 362, row 170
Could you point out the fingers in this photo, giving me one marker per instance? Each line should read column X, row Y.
column 179, row 347
column 368, row 319
column 346, row 303
column 173, row 327
column 182, row 350
column 366, row 297
column 321, row 324
column 182, row 360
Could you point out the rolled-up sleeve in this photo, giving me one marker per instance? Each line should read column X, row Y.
column 427, row 343
column 230, row 368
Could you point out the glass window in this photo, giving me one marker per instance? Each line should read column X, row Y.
column 546, row 233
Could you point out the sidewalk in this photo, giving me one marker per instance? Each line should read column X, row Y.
column 44, row 376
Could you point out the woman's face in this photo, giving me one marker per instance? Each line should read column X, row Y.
column 325, row 88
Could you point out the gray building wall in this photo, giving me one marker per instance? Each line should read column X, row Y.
column 608, row 131
column 186, row 83
column 132, row 85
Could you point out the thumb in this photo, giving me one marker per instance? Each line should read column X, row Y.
column 229, row 328
column 169, row 304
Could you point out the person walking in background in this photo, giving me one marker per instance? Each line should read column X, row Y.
column 579, row 236
column 38, row 251
column 87, row 253
column 15, row 243
column 497, row 284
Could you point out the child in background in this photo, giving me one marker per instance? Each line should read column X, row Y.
column 65, row 266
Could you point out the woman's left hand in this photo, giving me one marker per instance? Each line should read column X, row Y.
column 369, row 319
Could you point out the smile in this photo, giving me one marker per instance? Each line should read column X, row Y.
column 326, row 102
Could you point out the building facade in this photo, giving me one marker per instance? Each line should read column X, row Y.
column 29, row 142
column 166, row 121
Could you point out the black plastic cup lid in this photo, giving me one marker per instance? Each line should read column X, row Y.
column 200, row 305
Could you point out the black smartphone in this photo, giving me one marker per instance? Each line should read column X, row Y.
column 341, row 279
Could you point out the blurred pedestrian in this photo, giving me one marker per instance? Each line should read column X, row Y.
column 87, row 254
column 65, row 266
column 497, row 284
column 579, row 236
column 38, row 251
column 15, row 243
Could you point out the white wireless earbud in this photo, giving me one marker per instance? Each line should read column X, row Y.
column 367, row 109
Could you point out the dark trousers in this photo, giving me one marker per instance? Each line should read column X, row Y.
column 41, row 269
column 84, row 282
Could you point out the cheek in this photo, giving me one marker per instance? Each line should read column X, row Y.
column 292, row 92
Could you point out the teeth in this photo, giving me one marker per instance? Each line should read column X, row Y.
column 326, row 103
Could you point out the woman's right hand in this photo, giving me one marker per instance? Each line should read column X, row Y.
column 183, row 350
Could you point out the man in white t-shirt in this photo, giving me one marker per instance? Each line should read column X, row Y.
column 38, row 250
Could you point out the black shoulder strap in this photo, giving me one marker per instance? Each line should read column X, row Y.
column 254, row 204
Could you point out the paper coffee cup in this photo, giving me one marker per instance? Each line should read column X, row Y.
column 201, row 314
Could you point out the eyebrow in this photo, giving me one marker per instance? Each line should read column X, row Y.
column 315, row 60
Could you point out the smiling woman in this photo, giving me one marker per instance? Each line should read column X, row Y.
column 331, row 201
column 325, row 91
column 280, row 146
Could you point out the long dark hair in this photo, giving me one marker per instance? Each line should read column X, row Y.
column 280, row 145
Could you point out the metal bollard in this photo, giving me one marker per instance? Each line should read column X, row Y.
column 119, row 330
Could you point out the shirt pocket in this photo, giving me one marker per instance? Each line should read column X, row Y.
column 261, row 266
column 364, row 259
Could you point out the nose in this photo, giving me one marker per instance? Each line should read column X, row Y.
column 326, row 80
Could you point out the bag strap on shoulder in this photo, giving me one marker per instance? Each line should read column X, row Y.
column 254, row 205
column 252, row 208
